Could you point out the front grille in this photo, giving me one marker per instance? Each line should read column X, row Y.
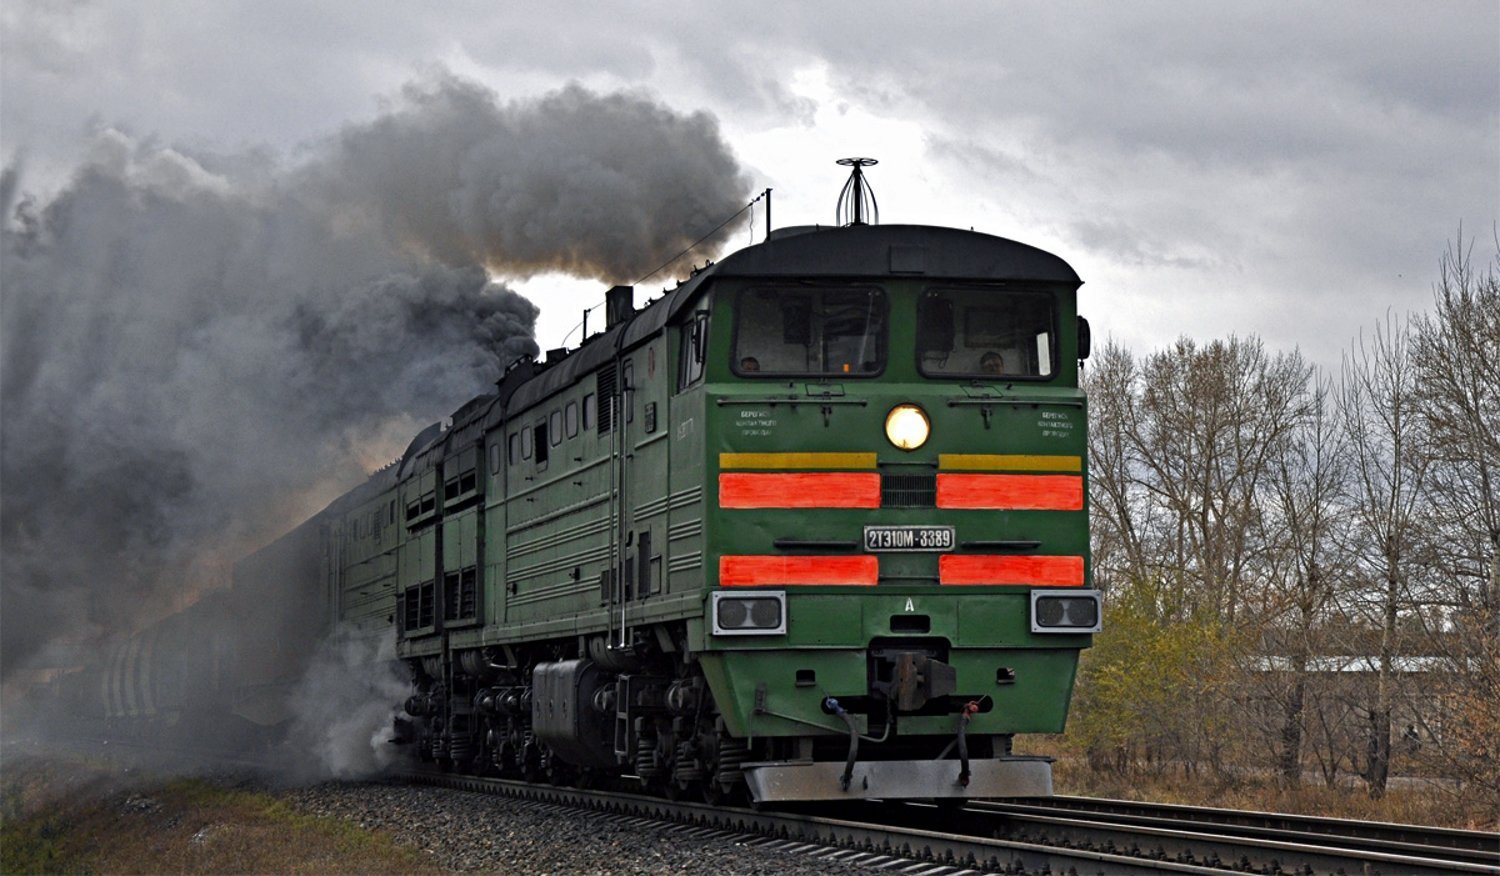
column 908, row 490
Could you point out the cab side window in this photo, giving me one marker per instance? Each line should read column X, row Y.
column 694, row 351
column 539, row 441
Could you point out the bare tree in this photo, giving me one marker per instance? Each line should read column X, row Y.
column 1333, row 730
column 1119, row 543
column 1181, row 447
column 1378, row 407
column 1456, row 350
column 1210, row 420
column 1302, row 564
column 1306, row 488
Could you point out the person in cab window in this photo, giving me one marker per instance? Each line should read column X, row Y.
column 749, row 363
column 991, row 363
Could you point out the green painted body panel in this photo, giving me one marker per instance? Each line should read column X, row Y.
column 364, row 566
column 827, row 634
column 1035, row 703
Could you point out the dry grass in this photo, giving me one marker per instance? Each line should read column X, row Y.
column 1405, row 804
column 72, row 817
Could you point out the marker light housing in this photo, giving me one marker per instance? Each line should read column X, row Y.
column 1066, row 611
column 749, row 613
column 907, row 426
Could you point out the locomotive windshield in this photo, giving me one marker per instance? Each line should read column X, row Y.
column 801, row 331
column 985, row 333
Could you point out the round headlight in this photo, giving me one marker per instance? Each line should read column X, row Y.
column 907, row 427
column 1050, row 612
column 733, row 613
column 765, row 614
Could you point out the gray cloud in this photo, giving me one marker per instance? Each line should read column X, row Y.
column 199, row 348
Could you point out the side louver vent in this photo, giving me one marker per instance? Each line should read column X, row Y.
column 605, row 386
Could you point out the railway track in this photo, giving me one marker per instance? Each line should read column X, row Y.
column 1477, row 847
column 1223, row 839
column 1057, row 836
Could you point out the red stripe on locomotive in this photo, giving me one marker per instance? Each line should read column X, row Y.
column 1010, row 492
column 755, row 571
column 800, row 490
column 1028, row 571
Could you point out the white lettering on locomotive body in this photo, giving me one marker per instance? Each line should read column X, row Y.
column 909, row 538
column 753, row 422
column 1055, row 424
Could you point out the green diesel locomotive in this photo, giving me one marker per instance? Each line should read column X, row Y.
column 811, row 524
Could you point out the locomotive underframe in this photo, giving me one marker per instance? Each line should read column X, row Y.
column 909, row 712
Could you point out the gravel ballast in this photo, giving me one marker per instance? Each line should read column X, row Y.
column 467, row 831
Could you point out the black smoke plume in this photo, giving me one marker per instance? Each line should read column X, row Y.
column 200, row 349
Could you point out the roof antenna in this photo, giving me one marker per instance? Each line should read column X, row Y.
column 857, row 200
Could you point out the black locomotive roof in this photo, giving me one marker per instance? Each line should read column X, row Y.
column 812, row 251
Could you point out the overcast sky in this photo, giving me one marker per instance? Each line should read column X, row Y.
column 1291, row 170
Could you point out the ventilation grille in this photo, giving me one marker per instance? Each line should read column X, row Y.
column 605, row 386
column 417, row 607
column 908, row 490
column 460, row 597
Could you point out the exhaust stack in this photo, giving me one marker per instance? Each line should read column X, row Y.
column 619, row 304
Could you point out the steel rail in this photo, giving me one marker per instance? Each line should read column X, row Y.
column 1243, row 847
column 1478, row 846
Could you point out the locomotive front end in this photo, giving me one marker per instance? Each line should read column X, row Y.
column 897, row 550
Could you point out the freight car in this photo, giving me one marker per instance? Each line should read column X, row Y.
column 220, row 674
column 811, row 525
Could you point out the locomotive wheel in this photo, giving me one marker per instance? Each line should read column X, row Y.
column 713, row 793
column 558, row 773
column 708, row 746
column 722, row 759
column 532, row 767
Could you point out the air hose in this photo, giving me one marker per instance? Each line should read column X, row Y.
column 832, row 705
column 970, row 708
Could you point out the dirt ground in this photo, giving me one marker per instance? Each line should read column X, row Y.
column 77, row 816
